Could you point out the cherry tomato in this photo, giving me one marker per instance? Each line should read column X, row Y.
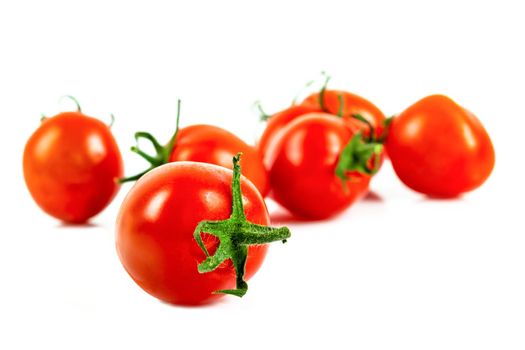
column 207, row 144
column 352, row 104
column 157, row 224
column 71, row 166
column 303, row 166
column 439, row 148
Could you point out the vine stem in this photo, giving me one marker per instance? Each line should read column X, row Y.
column 162, row 153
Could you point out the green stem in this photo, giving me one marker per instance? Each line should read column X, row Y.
column 371, row 136
column 169, row 148
column 79, row 110
column 306, row 86
column 322, row 92
column 162, row 153
column 357, row 155
column 263, row 116
column 112, row 121
column 341, row 105
column 386, row 125
column 235, row 235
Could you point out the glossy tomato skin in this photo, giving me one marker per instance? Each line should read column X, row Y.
column 214, row 145
column 154, row 233
column 71, row 166
column 302, row 168
column 278, row 121
column 439, row 148
column 352, row 104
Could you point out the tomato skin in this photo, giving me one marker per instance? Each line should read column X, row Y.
column 214, row 145
column 439, row 148
column 71, row 164
column 278, row 121
column 302, row 167
column 352, row 104
column 154, row 232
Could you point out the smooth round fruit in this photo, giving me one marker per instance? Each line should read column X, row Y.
column 439, row 148
column 155, row 226
column 71, row 166
column 302, row 167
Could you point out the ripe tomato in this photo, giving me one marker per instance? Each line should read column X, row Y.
column 207, row 144
column 164, row 212
column 71, row 166
column 319, row 166
column 439, row 148
column 352, row 104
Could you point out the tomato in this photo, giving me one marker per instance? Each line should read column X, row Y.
column 207, row 144
column 352, row 104
column 314, row 165
column 439, row 148
column 321, row 153
column 162, row 216
column 71, row 166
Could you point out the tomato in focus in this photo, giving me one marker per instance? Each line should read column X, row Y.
column 156, row 223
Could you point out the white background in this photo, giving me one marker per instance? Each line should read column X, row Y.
column 401, row 272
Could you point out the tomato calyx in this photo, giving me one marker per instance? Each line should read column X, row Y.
column 323, row 91
column 43, row 117
column 162, row 155
column 263, row 116
column 361, row 154
column 112, row 120
column 75, row 101
column 235, row 235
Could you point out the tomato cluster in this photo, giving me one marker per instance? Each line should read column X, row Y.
column 193, row 228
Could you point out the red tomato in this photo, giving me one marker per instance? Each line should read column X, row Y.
column 439, row 148
column 156, row 224
column 352, row 105
column 71, row 166
column 302, row 166
column 207, row 144
column 211, row 144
